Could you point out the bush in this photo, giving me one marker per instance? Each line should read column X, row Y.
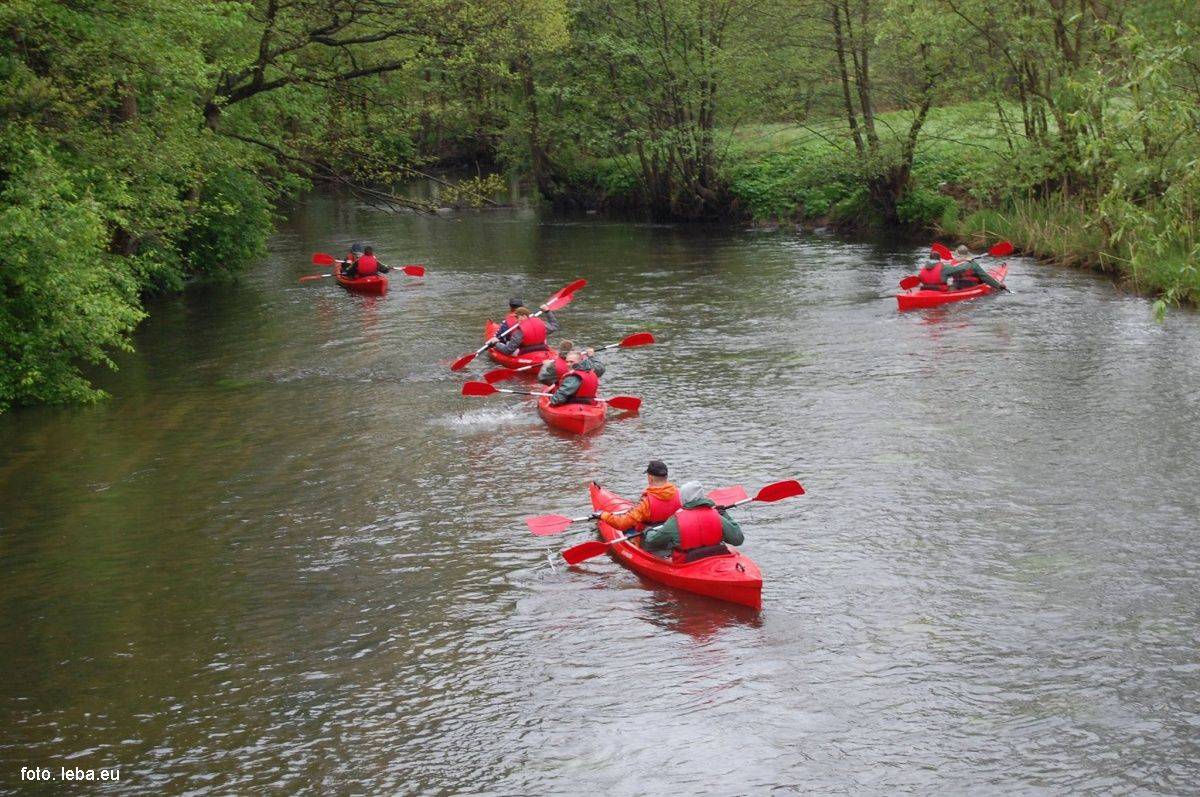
column 230, row 227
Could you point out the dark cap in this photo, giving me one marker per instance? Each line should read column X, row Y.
column 357, row 248
column 514, row 303
column 657, row 468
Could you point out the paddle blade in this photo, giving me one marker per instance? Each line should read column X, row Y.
column 779, row 491
column 313, row 277
column 558, row 302
column 624, row 403
column 570, row 289
column 478, row 389
column 727, row 496
column 636, row 339
column 498, row 375
column 322, row 259
column 584, row 551
column 1001, row 249
column 413, row 271
column 545, row 525
column 911, row 281
column 462, row 362
column 941, row 251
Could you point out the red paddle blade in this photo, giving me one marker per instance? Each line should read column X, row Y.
column 478, row 389
column 559, row 302
column 1001, row 249
column 726, row 496
column 780, row 490
column 570, row 289
column 322, row 259
column 624, row 403
column 636, row 339
column 413, row 271
column 545, row 525
column 911, row 281
column 584, row 551
column 313, row 277
column 498, row 375
column 462, row 362
column 941, row 251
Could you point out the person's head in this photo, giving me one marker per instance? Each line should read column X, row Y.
column 656, row 472
column 357, row 249
column 369, row 251
column 691, row 491
column 515, row 302
column 573, row 358
column 961, row 253
column 933, row 260
column 564, row 346
column 521, row 312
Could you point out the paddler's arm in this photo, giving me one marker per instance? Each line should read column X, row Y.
column 624, row 521
column 512, row 342
column 662, row 538
column 548, row 373
column 569, row 385
column 596, row 366
column 551, row 320
column 731, row 531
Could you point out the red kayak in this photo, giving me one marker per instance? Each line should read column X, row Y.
column 573, row 418
column 916, row 298
column 511, row 361
column 375, row 284
column 729, row 577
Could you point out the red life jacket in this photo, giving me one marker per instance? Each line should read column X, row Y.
column 533, row 335
column 699, row 527
column 931, row 278
column 589, row 383
column 660, row 510
column 367, row 265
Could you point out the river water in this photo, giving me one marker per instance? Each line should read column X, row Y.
column 289, row 556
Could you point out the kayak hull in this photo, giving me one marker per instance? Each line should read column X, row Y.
column 374, row 285
column 573, row 418
column 917, row 298
column 512, row 361
column 732, row 577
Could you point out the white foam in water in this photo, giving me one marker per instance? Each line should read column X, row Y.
column 488, row 416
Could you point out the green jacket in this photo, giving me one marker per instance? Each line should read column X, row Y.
column 666, row 536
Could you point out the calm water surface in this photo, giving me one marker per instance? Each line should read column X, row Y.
column 287, row 556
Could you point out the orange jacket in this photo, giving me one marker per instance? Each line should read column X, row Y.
column 624, row 521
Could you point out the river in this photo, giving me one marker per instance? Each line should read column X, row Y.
column 287, row 555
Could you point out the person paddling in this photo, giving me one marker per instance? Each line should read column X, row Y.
column 530, row 332
column 696, row 531
column 552, row 371
column 963, row 271
column 579, row 384
column 365, row 266
column 659, row 501
column 510, row 319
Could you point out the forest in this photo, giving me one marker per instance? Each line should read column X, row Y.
column 149, row 144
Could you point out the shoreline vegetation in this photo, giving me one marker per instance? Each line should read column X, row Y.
column 148, row 144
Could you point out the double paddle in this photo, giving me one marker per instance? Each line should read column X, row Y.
column 622, row 403
column 322, row 259
column 632, row 342
column 1001, row 249
column 555, row 302
column 593, row 548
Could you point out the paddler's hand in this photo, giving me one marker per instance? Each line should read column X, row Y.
column 591, row 352
column 493, row 340
column 545, row 308
column 594, row 516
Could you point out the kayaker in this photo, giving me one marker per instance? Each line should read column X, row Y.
column 941, row 275
column 365, row 266
column 579, row 385
column 510, row 319
column 659, row 501
column 697, row 530
column 530, row 333
column 552, row 371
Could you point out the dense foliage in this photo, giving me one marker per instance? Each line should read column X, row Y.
column 145, row 143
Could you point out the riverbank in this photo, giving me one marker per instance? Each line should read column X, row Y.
column 974, row 180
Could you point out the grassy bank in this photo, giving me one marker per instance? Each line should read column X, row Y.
column 971, row 181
